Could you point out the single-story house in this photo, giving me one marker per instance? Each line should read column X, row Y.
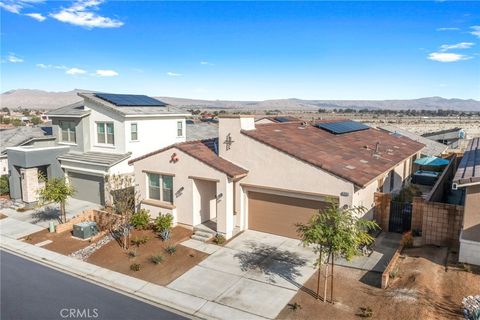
column 450, row 137
column 268, row 177
column 468, row 177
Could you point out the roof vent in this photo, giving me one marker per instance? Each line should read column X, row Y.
column 350, row 167
column 363, row 161
column 377, row 147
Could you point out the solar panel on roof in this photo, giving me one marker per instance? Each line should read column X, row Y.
column 342, row 126
column 130, row 100
column 281, row 119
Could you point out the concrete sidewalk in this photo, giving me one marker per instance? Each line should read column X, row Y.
column 16, row 229
column 190, row 304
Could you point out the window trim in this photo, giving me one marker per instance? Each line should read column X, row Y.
column 180, row 127
column 161, row 189
column 105, row 125
column 69, row 132
column 131, row 131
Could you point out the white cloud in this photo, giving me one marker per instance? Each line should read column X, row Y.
column 461, row 45
column 447, row 57
column 36, row 16
column 43, row 66
column 206, row 63
column 13, row 58
column 75, row 71
column 476, row 31
column 11, row 6
column 173, row 74
column 81, row 14
column 448, row 29
column 50, row 66
column 106, row 73
column 15, row 6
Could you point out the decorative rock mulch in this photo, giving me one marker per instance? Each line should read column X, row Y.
column 86, row 252
column 471, row 307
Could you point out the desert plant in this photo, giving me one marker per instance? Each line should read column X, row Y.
column 171, row 249
column 138, row 241
column 157, row 259
column 294, row 306
column 141, row 219
column 366, row 312
column 163, row 224
column 132, row 253
column 394, row 273
column 466, row 267
column 407, row 239
column 219, row 239
column 4, row 185
column 135, row 267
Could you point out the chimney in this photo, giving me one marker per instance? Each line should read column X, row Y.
column 229, row 127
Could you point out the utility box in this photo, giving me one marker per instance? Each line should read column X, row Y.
column 85, row 230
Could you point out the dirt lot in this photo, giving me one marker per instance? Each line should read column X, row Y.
column 422, row 289
column 113, row 257
column 62, row 243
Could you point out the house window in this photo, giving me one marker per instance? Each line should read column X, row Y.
column 179, row 128
column 134, row 132
column 105, row 132
column 68, row 131
column 160, row 187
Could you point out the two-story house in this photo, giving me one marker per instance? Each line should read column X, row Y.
column 94, row 138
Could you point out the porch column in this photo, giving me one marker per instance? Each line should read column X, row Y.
column 225, row 218
column 30, row 185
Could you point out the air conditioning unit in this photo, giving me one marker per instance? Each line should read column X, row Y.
column 85, row 230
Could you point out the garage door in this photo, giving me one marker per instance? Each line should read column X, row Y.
column 279, row 214
column 87, row 187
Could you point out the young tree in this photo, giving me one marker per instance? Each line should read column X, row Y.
column 335, row 232
column 57, row 190
column 35, row 120
column 122, row 198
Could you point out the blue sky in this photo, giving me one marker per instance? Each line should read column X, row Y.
column 244, row 50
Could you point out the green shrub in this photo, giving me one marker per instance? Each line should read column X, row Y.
column 157, row 259
column 135, row 267
column 164, row 222
column 366, row 312
column 171, row 249
column 141, row 219
column 4, row 185
column 219, row 239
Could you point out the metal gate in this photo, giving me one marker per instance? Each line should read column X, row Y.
column 400, row 217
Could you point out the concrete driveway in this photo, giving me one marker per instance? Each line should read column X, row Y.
column 256, row 272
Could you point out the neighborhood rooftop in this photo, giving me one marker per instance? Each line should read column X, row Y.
column 432, row 148
column 75, row 110
column 468, row 171
column 100, row 158
column 20, row 135
column 358, row 157
column 126, row 105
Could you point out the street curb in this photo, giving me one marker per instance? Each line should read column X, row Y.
column 170, row 306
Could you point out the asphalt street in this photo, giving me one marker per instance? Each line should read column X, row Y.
column 30, row 291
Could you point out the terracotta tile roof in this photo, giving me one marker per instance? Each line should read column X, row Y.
column 468, row 171
column 200, row 151
column 350, row 156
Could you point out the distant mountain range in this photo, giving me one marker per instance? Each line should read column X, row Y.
column 38, row 99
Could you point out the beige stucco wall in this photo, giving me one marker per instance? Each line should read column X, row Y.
column 184, row 172
column 471, row 218
column 272, row 169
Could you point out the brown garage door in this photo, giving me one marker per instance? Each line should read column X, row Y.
column 279, row 214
